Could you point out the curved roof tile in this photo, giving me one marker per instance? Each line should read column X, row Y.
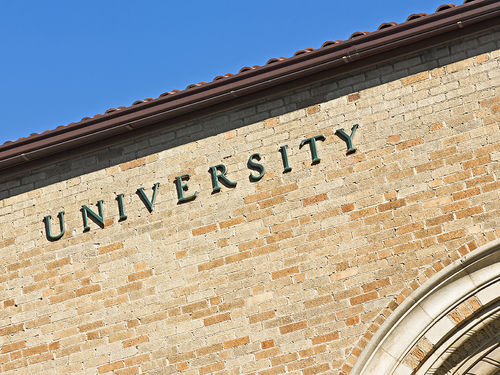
column 326, row 44
column 386, row 25
column 303, row 51
column 414, row 16
column 444, row 7
column 330, row 43
column 357, row 34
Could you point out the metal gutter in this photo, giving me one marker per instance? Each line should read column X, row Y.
column 375, row 47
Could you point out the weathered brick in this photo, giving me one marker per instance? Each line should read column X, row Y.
column 11, row 329
column 476, row 162
column 451, row 235
column 267, row 344
column 325, row 338
column 312, row 109
column 237, row 257
column 35, row 350
column 415, row 78
column 91, row 326
column 111, row 247
column 209, row 349
column 153, row 317
column 261, row 316
column 285, row 272
column 267, row 353
column 318, row 301
column 236, row 342
column 216, row 319
column 257, row 197
column 204, row 230
column 410, row 228
column 315, row 199
column 127, row 288
column 466, row 194
column 88, row 290
column 231, row 222
column 469, row 212
column 212, row 368
column 135, row 341
column 140, row 275
column 194, row 306
column 391, row 205
column 272, row 201
column 58, row 263
column 110, row 367
column 316, row 369
column 353, row 97
column 409, row 143
column 284, row 359
column 128, row 371
column 284, row 189
column 376, row 284
column 293, row 327
column 363, row 298
column 138, row 359
column 14, row 346
column 132, row 164
column 210, row 265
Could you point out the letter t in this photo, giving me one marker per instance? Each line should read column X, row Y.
column 312, row 145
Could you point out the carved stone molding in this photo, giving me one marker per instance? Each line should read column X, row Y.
column 448, row 326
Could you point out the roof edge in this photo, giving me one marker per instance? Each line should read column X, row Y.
column 358, row 49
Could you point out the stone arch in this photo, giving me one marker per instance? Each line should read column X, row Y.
column 450, row 324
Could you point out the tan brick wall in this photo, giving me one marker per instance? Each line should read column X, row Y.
column 293, row 273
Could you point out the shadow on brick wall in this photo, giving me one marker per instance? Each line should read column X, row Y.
column 169, row 135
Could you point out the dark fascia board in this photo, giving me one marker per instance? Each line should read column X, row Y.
column 399, row 40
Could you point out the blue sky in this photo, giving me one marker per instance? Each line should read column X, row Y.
column 64, row 60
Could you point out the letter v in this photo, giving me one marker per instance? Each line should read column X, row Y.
column 148, row 203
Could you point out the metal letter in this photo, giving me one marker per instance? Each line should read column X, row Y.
column 181, row 188
column 48, row 232
column 148, row 203
column 284, row 157
column 99, row 219
column 219, row 177
column 347, row 138
column 312, row 145
column 121, row 208
column 255, row 167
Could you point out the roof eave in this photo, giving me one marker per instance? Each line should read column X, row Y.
column 392, row 42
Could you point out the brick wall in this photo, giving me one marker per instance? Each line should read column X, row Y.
column 293, row 273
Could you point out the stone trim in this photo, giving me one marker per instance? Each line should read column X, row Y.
column 474, row 277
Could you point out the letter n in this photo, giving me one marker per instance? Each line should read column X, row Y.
column 97, row 218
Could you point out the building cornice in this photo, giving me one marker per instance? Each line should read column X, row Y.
column 331, row 60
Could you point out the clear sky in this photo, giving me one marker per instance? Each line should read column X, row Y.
column 64, row 60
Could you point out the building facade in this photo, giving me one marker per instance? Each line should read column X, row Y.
column 334, row 212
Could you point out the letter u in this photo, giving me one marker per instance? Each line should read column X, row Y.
column 48, row 231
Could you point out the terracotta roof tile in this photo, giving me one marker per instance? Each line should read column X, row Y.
column 386, row 25
column 244, row 70
column 220, row 77
column 273, row 60
column 415, row 16
column 358, row 34
column 444, row 7
column 330, row 43
column 303, row 51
